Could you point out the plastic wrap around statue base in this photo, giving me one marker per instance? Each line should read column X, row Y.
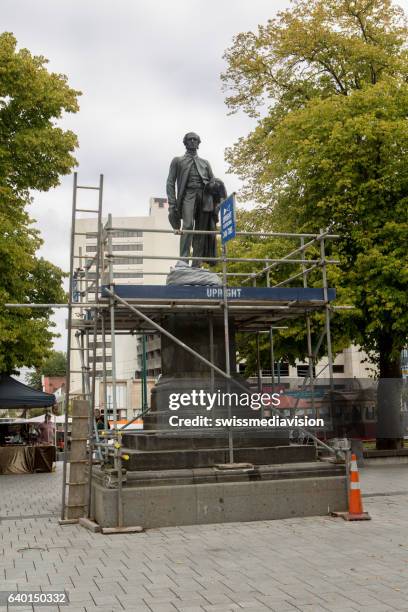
column 183, row 274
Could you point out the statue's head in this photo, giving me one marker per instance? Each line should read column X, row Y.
column 191, row 141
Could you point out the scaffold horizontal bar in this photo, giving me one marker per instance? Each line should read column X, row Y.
column 72, row 305
column 166, row 273
column 288, row 257
column 87, row 187
column 217, row 233
column 86, row 257
column 87, row 210
column 220, row 259
column 209, row 307
column 174, row 304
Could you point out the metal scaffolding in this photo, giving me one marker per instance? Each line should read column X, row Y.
column 95, row 309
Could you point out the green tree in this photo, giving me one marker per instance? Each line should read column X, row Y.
column 327, row 82
column 34, row 153
column 53, row 365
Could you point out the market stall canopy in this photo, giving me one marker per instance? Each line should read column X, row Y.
column 54, row 419
column 14, row 394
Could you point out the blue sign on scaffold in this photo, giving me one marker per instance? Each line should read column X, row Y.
column 227, row 215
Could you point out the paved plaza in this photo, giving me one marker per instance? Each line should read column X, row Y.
column 309, row 564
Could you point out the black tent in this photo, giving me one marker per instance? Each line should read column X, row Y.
column 14, row 394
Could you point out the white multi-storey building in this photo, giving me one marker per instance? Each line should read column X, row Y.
column 349, row 363
column 129, row 267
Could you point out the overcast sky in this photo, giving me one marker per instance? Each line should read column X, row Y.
column 149, row 71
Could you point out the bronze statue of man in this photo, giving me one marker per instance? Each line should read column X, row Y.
column 194, row 201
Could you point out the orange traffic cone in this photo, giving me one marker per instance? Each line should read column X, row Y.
column 356, row 512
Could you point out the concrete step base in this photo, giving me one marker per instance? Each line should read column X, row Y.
column 204, row 457
column 152, row 478
column 139, row 440
column 308, row 489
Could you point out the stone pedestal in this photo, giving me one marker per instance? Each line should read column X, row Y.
column 194, row 330
column 181, row 371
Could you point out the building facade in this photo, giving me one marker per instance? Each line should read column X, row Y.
column 129, row 267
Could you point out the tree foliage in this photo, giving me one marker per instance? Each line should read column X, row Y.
column 327, row 82
column 54, row 365
column 34, row 153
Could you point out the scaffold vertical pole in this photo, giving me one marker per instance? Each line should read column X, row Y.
column 81, row 349
column 112, row 325
column 258, row 361
column 79, row 335
column 272, row 352
column 211, row 332
column 327, row 323
column 327, row 308
column 117, row 455
column 309, row 335
column 93, row 430
column 227, row 347
column 144, row 375
column 105, row 389
column 69, row 332
column 271, row 348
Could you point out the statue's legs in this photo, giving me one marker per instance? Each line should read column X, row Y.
column 188, row 221
column 204, row 245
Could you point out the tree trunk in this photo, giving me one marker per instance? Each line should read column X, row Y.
column 389, row 423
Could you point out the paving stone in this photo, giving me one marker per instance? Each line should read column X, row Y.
column 188, row 608
column 222, row 608
column 161, row 607
column 311, row 564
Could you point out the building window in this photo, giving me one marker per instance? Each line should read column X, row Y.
column 127, row 233
column 99, row 345
column 121, row 395
column 160, row 201
column 118, row 234
column 127, row 247
column 370, row 414
column 338, row 369
column 303, row 370
column 99, row 359
column 92, row 248
column 281, row 368
column 127, row 261
column 92, row 275
column 127, row 275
